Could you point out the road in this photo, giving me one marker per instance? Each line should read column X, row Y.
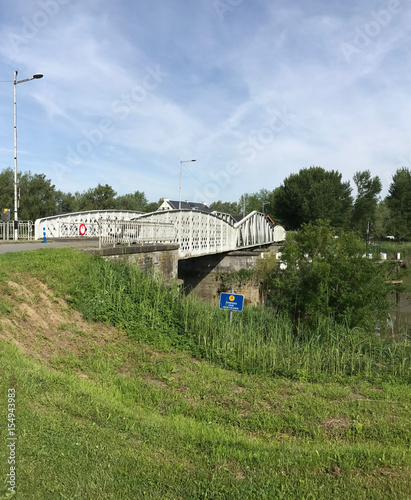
column 8, row 247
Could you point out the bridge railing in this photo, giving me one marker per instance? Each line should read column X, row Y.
column 77, row 224
column 128, row 232
column 198, row 233
column 25, row 230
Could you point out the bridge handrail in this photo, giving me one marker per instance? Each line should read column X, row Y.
column 247, row 217
column 198, row 232
column 25, row 230
column 129, row 232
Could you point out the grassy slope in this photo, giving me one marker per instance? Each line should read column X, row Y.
column 102, row 416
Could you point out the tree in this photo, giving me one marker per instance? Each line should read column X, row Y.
column 136, row 201
column 261, row 202
column 399, row 202
column 383, row 224
column 226, row 207
column 328, row 277
column 7, row 189
column 153, row 206
column 66, row 203
column 37, row 196
column 313, row 194
column 365, row 205
column 98, row 198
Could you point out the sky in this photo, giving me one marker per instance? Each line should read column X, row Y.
column 253, row 90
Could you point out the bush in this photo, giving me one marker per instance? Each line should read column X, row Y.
column 328, row 276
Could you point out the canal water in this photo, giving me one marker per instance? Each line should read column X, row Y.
column 401, row 315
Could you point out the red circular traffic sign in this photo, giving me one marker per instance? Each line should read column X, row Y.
column 82, row 229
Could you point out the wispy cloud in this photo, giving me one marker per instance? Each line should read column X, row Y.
column 270, row 88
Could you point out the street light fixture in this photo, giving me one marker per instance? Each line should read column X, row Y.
column 181, row 167
column 36, row 76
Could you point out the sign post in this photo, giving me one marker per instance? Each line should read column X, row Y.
column 5, row 217
column 231, row 302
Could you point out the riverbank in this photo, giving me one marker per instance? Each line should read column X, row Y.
column 100, row 413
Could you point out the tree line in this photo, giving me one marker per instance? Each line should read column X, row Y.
column 315, row 194
column 307, row 196
column 38, row 197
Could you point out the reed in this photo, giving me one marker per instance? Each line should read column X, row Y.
column 261, row 341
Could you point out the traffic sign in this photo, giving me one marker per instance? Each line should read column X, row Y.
column 231, row 302
column 5, row 214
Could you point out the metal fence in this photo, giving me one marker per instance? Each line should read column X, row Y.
column 25, row 230
column 128, row 232
column 78, row 224
column 197, row 232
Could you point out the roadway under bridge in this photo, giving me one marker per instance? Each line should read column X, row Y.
column 196, row 232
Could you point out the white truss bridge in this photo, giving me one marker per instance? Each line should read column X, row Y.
column 196, row 232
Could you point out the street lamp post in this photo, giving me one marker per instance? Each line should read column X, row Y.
column 36, row 76
column 181, row 168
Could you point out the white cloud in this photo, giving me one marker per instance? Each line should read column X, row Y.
column 270, row 88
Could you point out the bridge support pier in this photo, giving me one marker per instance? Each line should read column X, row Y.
column 201, row 275
column 161, row 259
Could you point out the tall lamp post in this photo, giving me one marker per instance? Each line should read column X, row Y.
column 181, row 168
column 36, row 76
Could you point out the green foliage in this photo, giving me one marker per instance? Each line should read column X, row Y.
column 365, row 205
column 261, row 202
column 152, row 207
column 313, row 194
column 37, row 194
column 7, row 189
column 136, row 201
column 39, row 198
column 322, row 413
column 98, row 198
column 225, row 207
column 329, row 277
column 399, row 202
column 262, row 340
column 66, row 202
column 235, row 278
column 383, row 224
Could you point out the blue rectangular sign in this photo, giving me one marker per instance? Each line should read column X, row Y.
column 231, row 302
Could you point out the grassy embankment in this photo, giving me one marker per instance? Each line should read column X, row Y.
column 129, row 412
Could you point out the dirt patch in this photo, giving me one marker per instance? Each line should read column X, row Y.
column 155, row 382
column 334, row 472
column 397, row 473
column 238, row 390
column 125, row 371
column 44, row 326
column 336, row 424
column 357, row 396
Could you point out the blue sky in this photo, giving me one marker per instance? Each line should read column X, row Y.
column 253, row 90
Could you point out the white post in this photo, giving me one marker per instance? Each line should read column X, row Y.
column 36, row 76
column 16, row 230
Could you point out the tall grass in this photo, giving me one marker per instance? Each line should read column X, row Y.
column 393, row 247
column 261, row 341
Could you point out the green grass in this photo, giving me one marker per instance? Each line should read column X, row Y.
column 261, row 341
column 161, row 426
column 123, row 419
